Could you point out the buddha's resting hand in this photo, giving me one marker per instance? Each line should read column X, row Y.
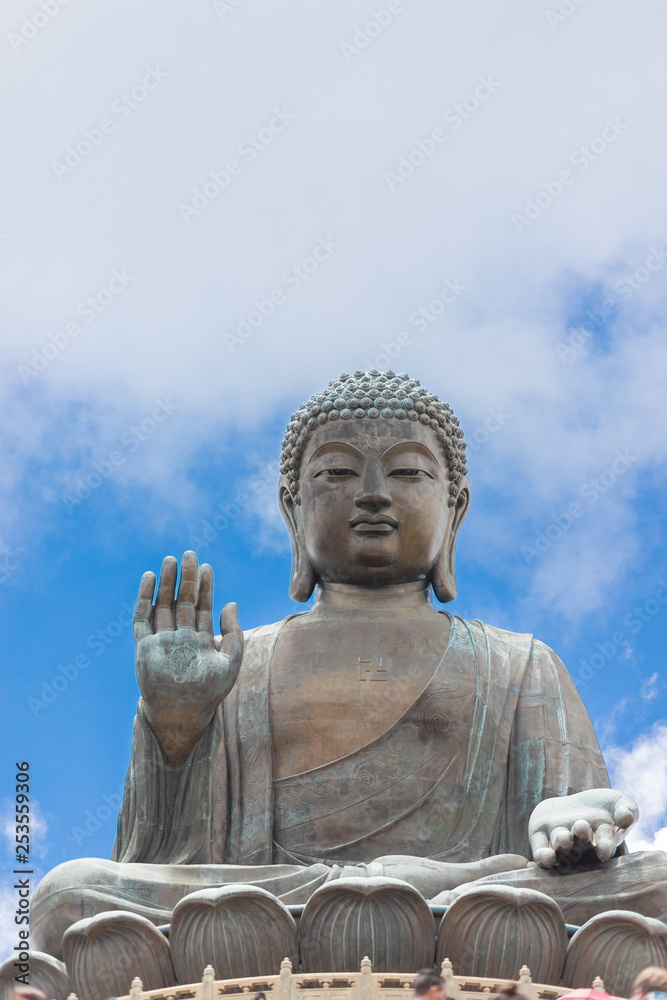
column 183, row 670
column 598, row 817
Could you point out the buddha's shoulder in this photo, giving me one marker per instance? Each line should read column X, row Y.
column 509, row 653
column 500, row 638
column 263, row 631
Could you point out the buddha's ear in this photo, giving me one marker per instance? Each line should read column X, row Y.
column 303, row 579
column 443, row 574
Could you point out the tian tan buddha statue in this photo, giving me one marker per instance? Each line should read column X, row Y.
column 370, row 743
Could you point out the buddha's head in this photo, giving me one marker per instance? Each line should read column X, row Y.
column 373, row 487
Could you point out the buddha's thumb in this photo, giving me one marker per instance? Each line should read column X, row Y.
column 231, row 630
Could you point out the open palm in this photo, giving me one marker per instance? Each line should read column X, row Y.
column 183, row 670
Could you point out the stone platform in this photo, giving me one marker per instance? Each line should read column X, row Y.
column 362, row 985
column 244, row 933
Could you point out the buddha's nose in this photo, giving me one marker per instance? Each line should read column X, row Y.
column 373, row 492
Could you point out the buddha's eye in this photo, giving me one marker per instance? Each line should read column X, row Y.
column 410, row 473
column 336, row 473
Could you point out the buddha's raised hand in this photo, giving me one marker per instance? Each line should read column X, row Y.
column 598, row 817
column 183, row 671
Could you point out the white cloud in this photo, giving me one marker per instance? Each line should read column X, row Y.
column 650, row 687
column 38, row 828
column 321, row 177
column 262, row 507
column 641, row 771
column 657, row 843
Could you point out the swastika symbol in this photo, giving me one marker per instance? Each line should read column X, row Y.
column 372, row 669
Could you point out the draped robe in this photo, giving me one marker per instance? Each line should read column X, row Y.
column 498, row 727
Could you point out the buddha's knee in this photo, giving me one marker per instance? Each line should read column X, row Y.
column 62, row 897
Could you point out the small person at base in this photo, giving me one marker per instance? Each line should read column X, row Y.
column 650, row 983
column 429, row 985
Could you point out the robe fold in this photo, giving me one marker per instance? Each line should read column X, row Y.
column 498, row 727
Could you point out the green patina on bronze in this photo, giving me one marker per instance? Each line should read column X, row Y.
column 372, row 731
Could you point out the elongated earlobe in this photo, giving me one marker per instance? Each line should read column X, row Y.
column 443, row 579
column 443, row 574
column 303, row 578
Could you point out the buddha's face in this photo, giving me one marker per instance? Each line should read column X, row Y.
column 374, row 501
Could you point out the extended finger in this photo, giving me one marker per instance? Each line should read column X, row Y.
column 204, row 610
column 187, row 591
column 143, row 609
column 605, row 841
column 583, row 831
column 164, row 605
column 232, row 636
column 542, row 852
column 561, row 838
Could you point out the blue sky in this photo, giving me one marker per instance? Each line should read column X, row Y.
column 486, row 187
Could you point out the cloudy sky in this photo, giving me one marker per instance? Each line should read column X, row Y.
column 211, row 210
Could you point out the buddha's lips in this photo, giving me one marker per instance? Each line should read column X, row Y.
column 366, row 524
